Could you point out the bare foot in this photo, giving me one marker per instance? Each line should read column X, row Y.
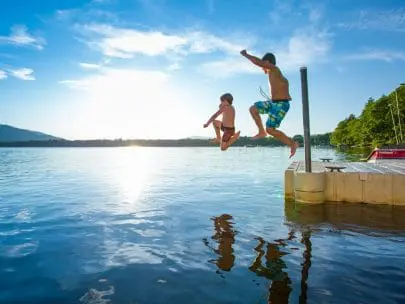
column 260, row 135
column 215, row 141
column 294, row 147
column 232, row 140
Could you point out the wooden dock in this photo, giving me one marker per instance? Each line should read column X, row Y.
column 381, row 182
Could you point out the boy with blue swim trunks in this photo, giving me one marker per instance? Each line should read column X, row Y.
column 278, row 106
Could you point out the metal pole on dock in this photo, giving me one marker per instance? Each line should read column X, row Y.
column 305, row 114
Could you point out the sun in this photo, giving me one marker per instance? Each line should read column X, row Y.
column 131, row 104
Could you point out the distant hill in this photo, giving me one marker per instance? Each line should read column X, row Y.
column 12, row 134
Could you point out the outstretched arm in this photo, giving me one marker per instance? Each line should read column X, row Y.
column 212, row 118
column 263, row 64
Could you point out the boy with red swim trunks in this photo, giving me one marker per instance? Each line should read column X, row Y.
column 227, row 125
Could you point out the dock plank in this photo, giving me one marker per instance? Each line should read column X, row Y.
column 392, row 167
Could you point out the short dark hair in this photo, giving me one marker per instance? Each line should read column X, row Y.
column 228, row 97
column 270, row 57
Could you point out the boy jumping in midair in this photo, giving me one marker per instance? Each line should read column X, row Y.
column 279, row 104
column 227, row 125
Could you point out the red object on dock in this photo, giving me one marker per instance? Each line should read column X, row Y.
column 378, row 154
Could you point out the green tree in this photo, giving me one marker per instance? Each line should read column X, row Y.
column 375, row 124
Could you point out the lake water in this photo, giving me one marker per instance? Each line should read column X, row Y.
column 185, row 225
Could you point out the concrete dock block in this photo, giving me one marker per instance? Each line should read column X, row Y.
column 344, row 187
column 398, row 189
column 289, row 192
column 309, row 187
column 378, row 189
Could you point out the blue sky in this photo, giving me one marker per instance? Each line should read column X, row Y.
column 84, row 69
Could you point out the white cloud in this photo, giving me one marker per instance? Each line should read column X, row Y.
column 382, row 55
column 19, row 36
column 66, row 14
column 282, row 9
column 3, row 75
column 307, row 45
column 303, row 48
column 117, row 79
column 390, row 20
column 125, row 43
column 228, row 67
column 89, row 66
column 23, row 73
column 174, row 66
column 201, row 42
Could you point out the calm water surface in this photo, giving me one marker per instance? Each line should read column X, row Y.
column 185, row 225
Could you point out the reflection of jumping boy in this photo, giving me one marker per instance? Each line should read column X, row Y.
column 278, row 106
column 227, row 125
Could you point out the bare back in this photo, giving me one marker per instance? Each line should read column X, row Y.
column 228, row 116
column 279, row 85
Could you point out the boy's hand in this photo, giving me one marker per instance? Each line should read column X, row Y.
column 243, row 52
column 205, row 125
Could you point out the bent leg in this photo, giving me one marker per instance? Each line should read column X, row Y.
column 217, row 127
column 225, row 144
column 284, row 139
column 254, row 112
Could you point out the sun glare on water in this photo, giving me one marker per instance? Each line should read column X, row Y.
column 131, row 170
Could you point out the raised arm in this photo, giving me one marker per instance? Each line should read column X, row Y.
column 212, row 118
column 263, row 64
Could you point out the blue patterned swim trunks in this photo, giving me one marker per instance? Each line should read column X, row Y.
column 275, row 109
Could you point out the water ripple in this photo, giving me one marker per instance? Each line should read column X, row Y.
column 163, row 225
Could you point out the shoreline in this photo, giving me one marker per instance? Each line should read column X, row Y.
column 186, row 143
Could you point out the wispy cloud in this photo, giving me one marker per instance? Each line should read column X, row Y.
column 126, row 43
column 201, row 42
column 117, row 79
column 303, row 48
column 3, row 75
column 20, row 36
column 174, row 66
column 228, row 67
column 281, row 10
column 83, row 15
column 378, row 55
column 388, row 20
column 89, row 66
column 289, row 13
column 154, row 6
column 66, row 14
column 22, row 73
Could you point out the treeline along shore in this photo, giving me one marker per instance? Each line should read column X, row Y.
column 381, row 122
column 244, row 141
